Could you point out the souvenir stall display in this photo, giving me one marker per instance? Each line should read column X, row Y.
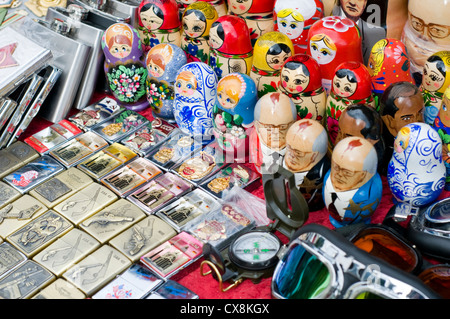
column 227, row 149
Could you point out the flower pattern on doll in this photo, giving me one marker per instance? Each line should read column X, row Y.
column 157, row 91
column 128, row 83
column 215, row 66
column 337, row 23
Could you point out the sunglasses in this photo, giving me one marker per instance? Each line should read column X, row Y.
column 320, row 263
column 437, row 277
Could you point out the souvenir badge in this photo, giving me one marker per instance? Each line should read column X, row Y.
column 97, row 269
column 39, row 233
column 172, row 290
column 24, row 281
column 173, row 255
column 10, row 258
column 86, row 202
column 7, row 194
column 130, row 177
column 120, row 125
column 112, row 220
column 59, row 289
column 67, row 251
column 142, row 237
column 75, row 150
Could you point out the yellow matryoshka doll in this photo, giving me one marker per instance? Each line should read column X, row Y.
column 269, row 54
column 196, row 23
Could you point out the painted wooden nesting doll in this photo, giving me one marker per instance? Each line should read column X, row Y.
column 159, row 22
column 196, row 23
column 351, row 85
column 416, row 171
column 231, row 49
column 306, row 149
column 301, row 81
column 195, row 95
column 435, row 80
column 258, row 14
column 427, row 31
column 388, row 63
column 124, row 66
column 442, row 126
column 331, row 41
column 269, row 54
column 163, row 62
column 294, row 18
column 234, row 114
column 353, row 188
column 274, row 114
column 220, row 6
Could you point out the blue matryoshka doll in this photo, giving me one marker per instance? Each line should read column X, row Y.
column 234, row 114
column 124, row 66
column 163, row 62
column 195, row 94
column 416, row 171
column 442, row 126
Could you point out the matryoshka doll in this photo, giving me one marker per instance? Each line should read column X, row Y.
column 274, row 114
column 388, row 63
column 159, row 22
column 231, row 49
column 301, row 81
column 416, row 171
column 124, row 66
column 351, row 85
column 269, row 54
column 306, row 149
column 196, row 23
column 352, row 187
column 294, row 18
column 435, row 80
column 195, row 95
column 258, row 14
column 331, row 41
column 220, row 6
column 234, row 114
column 163, row 62
column 442, row 126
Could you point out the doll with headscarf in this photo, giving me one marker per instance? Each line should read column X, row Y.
column 231, row 49
column 442, row 126
column 435, row 80
column 159, row 22
column 294, row 18
column 195, row 95
column 300, row 80
column 196, row 23
column 269, row 54
column 124, row 67
column 351, row 85
column 234, row 114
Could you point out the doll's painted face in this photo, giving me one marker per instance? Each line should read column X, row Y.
column 239, row 6
column 215, row 41
column 227, row 101
column 402, row 139
column 433, row 79
column 277, row 59
column 150, row 20
column 290, row 26
column 444, row 112
column 323, row 50
column 294, row 81
column 192, row 26
column 155, row 68
column 186, row 84
column 350, row 126
column 344, row 86
column 120, row 48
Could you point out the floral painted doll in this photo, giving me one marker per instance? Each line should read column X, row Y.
column 301, row 81
column 442, row 126
column 294, row 18
column 159, row 22
column 331, row 41
column 269, row 54
column 163, row 62
column 233, row 114
column 231, row 49
column 351, row 85
column 196, row 22
column 195, row 95
column 435, row 80
column 124, row 67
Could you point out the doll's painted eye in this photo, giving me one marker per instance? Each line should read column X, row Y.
column 284, row 24
column 325, row 52
column 178, row 84
column 286, row 78
column 124, row 49
column 189, row 86
column 347, row 89
column 293, row 26
column 444, row 107
column 314, row 47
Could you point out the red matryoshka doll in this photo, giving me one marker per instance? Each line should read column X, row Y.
column 300, row 80
column 231, row 49
column 435, row 80
column 257, row 13
column 269, row 54
column 159, row 22
column 124, row 67
column 294, row 18
column 388, row 63
column 331, row 41
column 351, row 85
column 196, row 23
